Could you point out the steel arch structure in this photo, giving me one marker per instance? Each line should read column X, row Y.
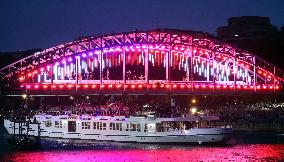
column 156, row 61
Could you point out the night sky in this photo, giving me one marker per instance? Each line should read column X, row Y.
column 41, row 24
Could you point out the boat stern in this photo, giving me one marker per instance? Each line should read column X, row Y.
column 8, row 126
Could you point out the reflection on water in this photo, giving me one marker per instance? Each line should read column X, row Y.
column 142, row 152
column 253, row 147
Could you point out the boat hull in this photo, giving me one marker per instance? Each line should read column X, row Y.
column 195, row 135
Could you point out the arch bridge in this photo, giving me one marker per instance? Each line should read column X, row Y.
column 139, row 62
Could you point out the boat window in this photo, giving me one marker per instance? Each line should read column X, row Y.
column 97, row 125
column 146, row 128
column 115, row 126
column 132, row 127
column 48, row 123
column 138, row 127
column 127, row 127
column 86, row 125
column 102, row 126
column 118, row 126
column 58, row 124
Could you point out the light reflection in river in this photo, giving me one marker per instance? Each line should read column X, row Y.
column 248, row 152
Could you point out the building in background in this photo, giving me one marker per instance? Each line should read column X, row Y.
column 255, row 34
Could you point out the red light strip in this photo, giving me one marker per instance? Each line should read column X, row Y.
column 154, row 86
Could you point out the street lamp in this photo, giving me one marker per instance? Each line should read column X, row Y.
column 193, row 101
column 24, row 96
column 193, row 110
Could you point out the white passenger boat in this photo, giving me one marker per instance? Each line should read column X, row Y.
column 143, row 129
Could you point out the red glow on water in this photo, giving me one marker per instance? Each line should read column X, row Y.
column 258, row 152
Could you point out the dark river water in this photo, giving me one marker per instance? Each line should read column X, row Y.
column 248, row 146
